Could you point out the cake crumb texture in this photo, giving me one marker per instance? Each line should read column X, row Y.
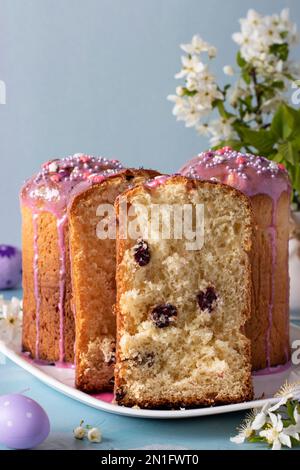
column 181, row 317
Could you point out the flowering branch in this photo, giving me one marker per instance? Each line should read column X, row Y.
column 252, row 114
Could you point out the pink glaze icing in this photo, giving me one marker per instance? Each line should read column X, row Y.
column 157, row 181
column 251, row 175
column 51, row 190
column 105, row 396
column 41, row 362
column 273, row 370
column 36, row 285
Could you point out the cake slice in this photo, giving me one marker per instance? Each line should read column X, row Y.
column 93, row 278
column 181, row 312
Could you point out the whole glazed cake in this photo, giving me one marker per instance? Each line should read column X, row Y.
column 268, row 187
column 48, row 323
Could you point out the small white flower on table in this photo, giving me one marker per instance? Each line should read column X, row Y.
column 79, row 432
column 277, row 425
column 275, row 434
column 94, row 435
column 294, row 429
column 246, row 429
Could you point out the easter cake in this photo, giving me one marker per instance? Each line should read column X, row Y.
column 68, row 272
column 181, row 312
column 93, row 277
column 48, row 323
column 267, row 185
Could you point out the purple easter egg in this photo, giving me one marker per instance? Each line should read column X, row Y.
column 23, row 422
column 10, row 267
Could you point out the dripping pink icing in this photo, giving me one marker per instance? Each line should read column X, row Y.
column 251, row 175
column 36, row 285
column 273, row 370
column 272, row 233
column 42, row 362
column 51, row 190
column 62, row 283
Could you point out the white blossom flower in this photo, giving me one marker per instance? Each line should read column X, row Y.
column 275, row 433
column 221, row 129
column 179, row 90
column 203, row 129
column 212, row 52
column 245, row 430
column 228, row 70
column 272, row 104
column 196, row 46
column 191, row 64
column 291, row 390
column 11, row 321
column 294, row 429
column 260, row 418
column 235, row 93
column 79, row 432
column 94, row 435
column 206, row 96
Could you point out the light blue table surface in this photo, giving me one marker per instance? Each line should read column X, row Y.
column 119, row 432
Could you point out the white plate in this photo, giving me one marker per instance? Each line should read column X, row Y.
column 62, row 380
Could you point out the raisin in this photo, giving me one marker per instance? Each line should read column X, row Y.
column 141, row 253
column 162, row 315
column 120, row 394
column 207, row 299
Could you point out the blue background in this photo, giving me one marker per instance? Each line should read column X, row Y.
column 92, row 76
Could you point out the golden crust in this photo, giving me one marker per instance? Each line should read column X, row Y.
column 48, row 286
column 93, row 278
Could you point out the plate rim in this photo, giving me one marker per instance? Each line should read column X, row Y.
column 126, row 411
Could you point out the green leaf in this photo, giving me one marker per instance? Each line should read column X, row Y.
column 296, row 178
column 221, row 108
column 186, row 92
column 295, row 442
column 262, row 140
column 290, row 410
column 246, row 76
column 284, row 34
column 240, row 60
column 257, row 439
column 280, row 50
column 278, row 84
column 289, row 153
column 296, row 142
column 286, row 122
column 278, row 157
column 277, row 123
